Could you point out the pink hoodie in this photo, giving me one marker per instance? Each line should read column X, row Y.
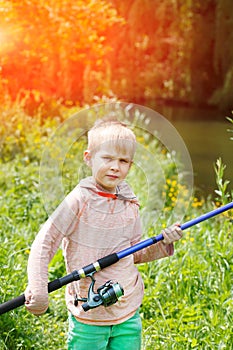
column 91, row 225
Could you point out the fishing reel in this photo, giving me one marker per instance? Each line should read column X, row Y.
column 107, row 294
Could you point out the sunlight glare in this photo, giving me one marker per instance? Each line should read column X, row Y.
column 4, row 38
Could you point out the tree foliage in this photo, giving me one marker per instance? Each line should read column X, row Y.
column 52, row 42
column 138, row 50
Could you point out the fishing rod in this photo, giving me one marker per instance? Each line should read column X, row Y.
column 109, row 293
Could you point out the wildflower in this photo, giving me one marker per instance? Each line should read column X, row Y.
column 174, row 183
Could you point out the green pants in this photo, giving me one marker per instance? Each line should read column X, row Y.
column 124, row 336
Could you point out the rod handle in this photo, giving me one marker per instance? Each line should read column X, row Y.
column 12, row 304
column 20, row 300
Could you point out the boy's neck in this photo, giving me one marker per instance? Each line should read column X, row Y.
column 102, row 189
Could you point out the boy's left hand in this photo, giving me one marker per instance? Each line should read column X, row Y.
column 172, row 234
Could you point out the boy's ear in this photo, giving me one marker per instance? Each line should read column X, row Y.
column 87, row 157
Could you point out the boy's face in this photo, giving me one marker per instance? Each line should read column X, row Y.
column 109, row 165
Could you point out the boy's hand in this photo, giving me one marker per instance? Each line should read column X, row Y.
column 172, row 234
column 36, row 304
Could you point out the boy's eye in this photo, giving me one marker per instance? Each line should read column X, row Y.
column 124, row 160
column 107, row 158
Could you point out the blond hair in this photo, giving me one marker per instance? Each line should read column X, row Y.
column 114, row 132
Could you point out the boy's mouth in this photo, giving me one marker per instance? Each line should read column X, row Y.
column 112, row 176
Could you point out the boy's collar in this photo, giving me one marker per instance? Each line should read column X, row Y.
column 107, row 194
column 123, row 191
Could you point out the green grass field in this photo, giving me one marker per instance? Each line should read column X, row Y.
column 188, row 301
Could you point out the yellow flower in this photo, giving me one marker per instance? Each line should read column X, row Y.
column 20, row 126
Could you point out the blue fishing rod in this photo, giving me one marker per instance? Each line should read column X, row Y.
column 109, row 293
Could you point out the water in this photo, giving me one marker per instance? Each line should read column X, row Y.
column 207, row 139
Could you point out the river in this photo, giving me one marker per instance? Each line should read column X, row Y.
column 207, row 138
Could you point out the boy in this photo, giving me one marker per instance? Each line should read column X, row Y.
column 99, row 217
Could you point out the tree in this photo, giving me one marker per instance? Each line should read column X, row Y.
column 51, row 43
column 223, row 55
column 139, row 50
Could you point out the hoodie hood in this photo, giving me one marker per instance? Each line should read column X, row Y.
column 123, row 190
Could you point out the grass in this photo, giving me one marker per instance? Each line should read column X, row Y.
column 188, row 301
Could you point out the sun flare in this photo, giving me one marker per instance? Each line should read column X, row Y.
column 4, row 38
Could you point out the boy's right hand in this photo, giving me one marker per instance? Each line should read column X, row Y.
column 36, row 303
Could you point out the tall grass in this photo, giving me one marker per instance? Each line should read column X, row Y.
column 188, row 301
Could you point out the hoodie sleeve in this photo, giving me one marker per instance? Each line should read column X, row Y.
column 60, row 224
column 154, row 252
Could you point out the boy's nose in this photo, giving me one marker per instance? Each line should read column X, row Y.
column 115, row 164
